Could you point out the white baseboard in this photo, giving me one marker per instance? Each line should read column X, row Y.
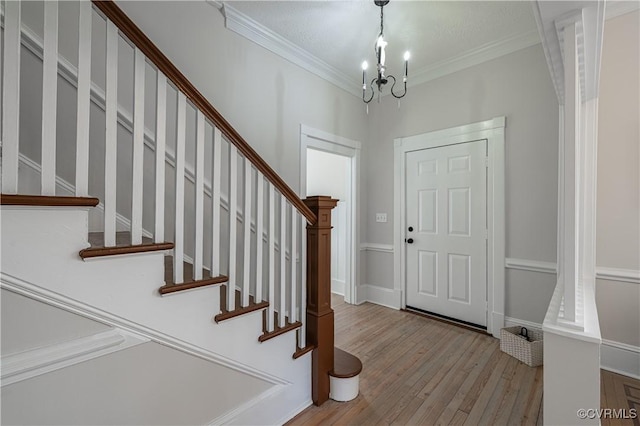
column 391, row 298
column 337, row 287
column 248, row 406
column 620, row 358
column 614, row 356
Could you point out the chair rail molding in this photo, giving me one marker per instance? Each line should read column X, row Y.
column 381, row 248
column 493, row 131
column 531, row 265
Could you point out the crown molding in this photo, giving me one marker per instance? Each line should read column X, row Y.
column 250, row 29
column 617, row 8
column 484, row 53
column 243, row 25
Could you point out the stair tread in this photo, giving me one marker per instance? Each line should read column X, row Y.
column 47, row 200
column 345, row 365
column 277, row 331
column 239, row 310
column 301, row 351
column 123, row 245
column 188, row 281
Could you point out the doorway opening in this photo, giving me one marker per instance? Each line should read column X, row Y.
column 329, row 166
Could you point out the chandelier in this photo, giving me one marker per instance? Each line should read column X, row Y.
column 382, row 79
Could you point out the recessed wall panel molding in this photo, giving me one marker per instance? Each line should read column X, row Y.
column 32, row 363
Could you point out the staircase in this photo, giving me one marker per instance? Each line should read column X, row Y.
column 214, row 254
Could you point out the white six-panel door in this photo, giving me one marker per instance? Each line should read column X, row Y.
column 446, row 250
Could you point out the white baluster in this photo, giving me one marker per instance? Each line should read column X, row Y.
column 259, row 232
column 49, row 98
column 11, row 97
column 293, row 314
column 161, row 138
column 283, row 262
column 246, row 277
column 111, row 135
column 84, row 100
column 198, row 252
column 215, row 202
column 138, row 148
column 272, row 258
column 303, row 281
column 178, row 244
column 233, row 225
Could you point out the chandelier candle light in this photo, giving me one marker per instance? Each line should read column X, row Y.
column 381, row 79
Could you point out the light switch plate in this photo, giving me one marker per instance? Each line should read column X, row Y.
column 381, row 217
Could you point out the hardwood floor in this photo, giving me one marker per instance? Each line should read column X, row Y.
column 418, row 371
column 619, row 392
column 421, row 371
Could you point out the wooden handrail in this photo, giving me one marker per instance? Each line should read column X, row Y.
column 153, row 54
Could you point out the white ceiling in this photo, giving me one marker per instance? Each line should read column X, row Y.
column 342, row 33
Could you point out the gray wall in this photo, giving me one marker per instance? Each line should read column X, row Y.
column 618, row 214
column 517, row 86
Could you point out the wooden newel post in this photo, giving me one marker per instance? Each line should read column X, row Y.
column 319, row 312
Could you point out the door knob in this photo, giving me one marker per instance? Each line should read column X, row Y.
column 410, row 240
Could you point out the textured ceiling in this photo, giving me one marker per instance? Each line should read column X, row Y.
column 342, row 33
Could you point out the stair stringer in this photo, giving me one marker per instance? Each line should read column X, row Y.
column 125, row 290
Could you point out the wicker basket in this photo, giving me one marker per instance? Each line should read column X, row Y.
column 529, row 352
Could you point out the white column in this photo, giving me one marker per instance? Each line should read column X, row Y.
column 272, row 259
column 111, row 135
column 138, row 148
column 259, row 234
column 49, row 98
column 570, row 153
column 199, row 237
column 215, row 202
column 303, row 283
column 293, row 314
column 84, row 99
column 11, row 97
column 178, row 244
column 233, row 225
column 161, row 138
column 282, row 305
column 246, row 261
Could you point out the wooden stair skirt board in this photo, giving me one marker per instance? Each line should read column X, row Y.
column 47, row 201
column 226, row 314
column 345, row 377
column 188, row 283
column 123, row 246
column 277, row 331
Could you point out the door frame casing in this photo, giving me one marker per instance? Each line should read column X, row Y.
column 494, row 132
column 327, row 142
